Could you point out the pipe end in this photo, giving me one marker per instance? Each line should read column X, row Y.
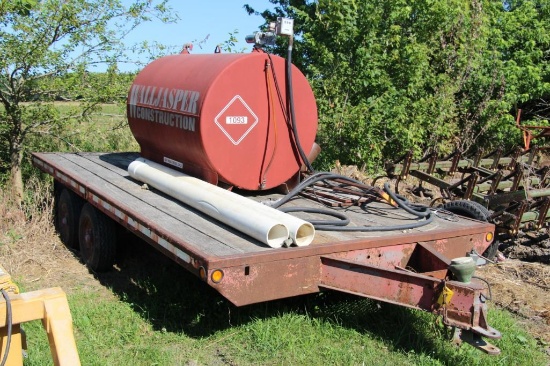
column 277, row 235
column 304, row 235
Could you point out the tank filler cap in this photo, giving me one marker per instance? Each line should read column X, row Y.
column 261, row 39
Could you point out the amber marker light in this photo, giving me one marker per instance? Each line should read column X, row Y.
column 489, row 237
column 217, row 276
column 202, row 273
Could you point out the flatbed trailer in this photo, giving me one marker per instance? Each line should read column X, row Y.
column 405, row 267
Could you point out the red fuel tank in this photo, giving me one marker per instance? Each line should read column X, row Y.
column 222, row 117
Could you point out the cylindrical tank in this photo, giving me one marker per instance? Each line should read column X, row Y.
column 221, row 117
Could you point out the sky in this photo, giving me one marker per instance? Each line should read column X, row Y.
column 205, row 23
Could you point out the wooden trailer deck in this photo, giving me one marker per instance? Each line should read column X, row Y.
column 105, row 177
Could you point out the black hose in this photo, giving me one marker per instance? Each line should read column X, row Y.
column 421, row 212
column 310, row 181
column 414, row 225
column 278, row 89
column 338, row 225
column 291, row 105
column 9, row 321
column 425, row 211
column 344, row 220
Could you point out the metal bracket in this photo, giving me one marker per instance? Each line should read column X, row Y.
column 475, row 340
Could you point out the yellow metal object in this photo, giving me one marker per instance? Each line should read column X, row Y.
column 386, row 197
column 445, row 296
column 49, row 305
column 489, row 236
column 6, row 283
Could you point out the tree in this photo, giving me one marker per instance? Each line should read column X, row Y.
column 522, row 34
column 22, row 7
column 395, row 75
column 48, row 49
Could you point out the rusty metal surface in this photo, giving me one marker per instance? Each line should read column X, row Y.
column 395, row 286
column 476, row 341
column 465, row 309
column 458, row 245
column 252, row 283
column 528, row 131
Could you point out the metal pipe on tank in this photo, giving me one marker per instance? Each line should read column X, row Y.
column 301, row 232
column 233, row 212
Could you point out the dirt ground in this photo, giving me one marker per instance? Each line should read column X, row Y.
column 528, row 247
column 30, row 250
column 522, row 288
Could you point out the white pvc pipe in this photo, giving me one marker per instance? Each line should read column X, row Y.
column 233, row 213
column 301, row 232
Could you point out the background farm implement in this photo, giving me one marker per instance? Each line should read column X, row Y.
column 510, row 190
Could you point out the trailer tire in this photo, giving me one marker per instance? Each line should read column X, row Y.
column 97, row 237
column 67, row 214
column 476, row 211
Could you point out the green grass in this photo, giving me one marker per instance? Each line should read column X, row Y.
column 162, row 315
column 105, row 129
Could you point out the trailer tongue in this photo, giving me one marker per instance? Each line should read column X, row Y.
column 461, row 305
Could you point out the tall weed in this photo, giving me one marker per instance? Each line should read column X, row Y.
column 29, row 223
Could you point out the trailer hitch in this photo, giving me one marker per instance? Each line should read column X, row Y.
column 461, row 305
column 472, row 328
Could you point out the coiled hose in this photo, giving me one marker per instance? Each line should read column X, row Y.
column 422, row 213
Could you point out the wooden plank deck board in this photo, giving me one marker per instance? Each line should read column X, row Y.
column 106, row 174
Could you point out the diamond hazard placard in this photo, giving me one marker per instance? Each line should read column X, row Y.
column 236, row 120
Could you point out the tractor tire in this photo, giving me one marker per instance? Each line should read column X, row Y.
column 476, row 211
column 469, row 209
column 97, row 238
column 67, row 213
